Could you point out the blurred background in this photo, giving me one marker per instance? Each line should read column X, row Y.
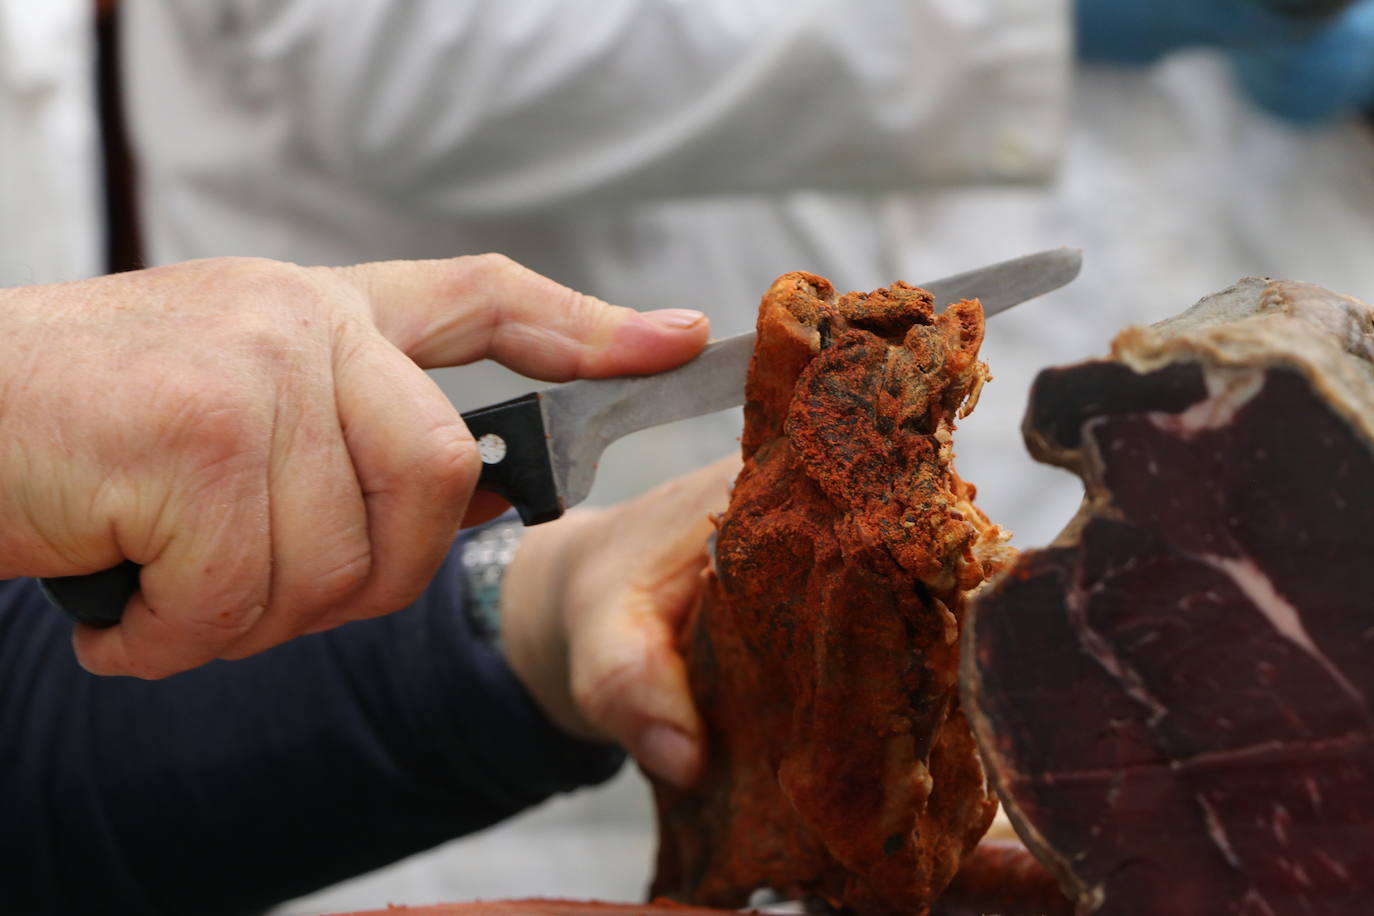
column 665, row 153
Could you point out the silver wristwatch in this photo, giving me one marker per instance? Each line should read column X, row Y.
column 485, row 556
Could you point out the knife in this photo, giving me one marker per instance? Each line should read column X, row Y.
column 539, row 451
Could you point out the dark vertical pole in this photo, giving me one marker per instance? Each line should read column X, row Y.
column 123, row 248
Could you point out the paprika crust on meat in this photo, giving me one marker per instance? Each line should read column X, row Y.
column 824, row 652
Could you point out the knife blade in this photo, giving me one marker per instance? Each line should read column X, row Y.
column 539, row 451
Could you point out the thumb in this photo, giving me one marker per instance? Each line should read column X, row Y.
column 460, row 310
column 630, row 683
column 638, row 583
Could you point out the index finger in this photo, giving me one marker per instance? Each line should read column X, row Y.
column 460, row 310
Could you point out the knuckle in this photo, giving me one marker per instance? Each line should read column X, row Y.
column 474, row 279
column 264, row 308
column 205, row 423
column 266, row 342
column 338, row 580
column 261, row 274
column 219, row 635
column 448, row 460
column 230, row 272
column 471, row 277
column 593, row 322
column 585, row 314
column 222, row 626
column 393, row 596
column 353, row 342
column 581, row 311
column 218, row 434
column 234, row 286
column 389, row 589
column 492, row 262
column 185, row 641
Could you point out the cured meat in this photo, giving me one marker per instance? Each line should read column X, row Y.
column 541, row 907
column 1173, row 699
column 1001, row 876
column 823, row 656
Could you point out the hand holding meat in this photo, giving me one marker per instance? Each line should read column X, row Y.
column 262, row 438
column 591, row 605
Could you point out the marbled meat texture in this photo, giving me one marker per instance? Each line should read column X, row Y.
column 1173, row 700
column 824, row 654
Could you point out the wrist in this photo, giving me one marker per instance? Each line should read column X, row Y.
column 534, row 629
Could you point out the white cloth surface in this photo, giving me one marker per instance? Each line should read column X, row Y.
column 50, row 204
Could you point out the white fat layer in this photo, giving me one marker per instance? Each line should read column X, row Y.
column 1101, row 650
column 1314, row 793
column 1254, row 902
column 1256, row 586
column 1280, row 822
column 1229, row 390
column 1217, row 832
column 1336, row 868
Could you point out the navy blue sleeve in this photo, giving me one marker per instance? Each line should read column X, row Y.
column 242, row 784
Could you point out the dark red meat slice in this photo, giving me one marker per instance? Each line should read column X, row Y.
column 1173, row 700
column 1001, row 876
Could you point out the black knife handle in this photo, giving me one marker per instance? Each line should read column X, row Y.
column 515, row 466
column 515, row 457
column 96, row 599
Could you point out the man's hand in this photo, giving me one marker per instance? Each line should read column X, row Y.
column 590, row 608
column 262, row 438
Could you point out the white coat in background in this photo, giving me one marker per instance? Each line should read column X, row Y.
column 660, row 154
column 50, row 201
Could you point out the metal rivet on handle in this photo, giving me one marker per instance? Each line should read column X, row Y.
column 492, row 448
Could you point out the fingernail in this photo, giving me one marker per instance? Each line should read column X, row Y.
column 667, row 753
column 676, row 319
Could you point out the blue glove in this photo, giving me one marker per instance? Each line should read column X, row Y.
column 1142, row 31
column 1309, row 82
column 1308, row 8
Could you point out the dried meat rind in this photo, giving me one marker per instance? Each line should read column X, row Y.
column 824, row 654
